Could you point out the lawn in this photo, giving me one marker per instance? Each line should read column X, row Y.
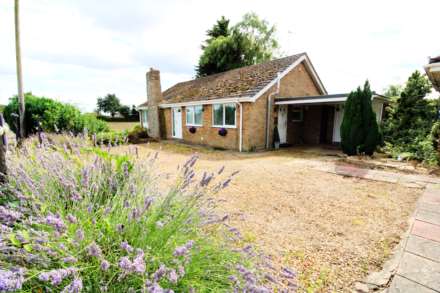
column 333, row 230
column 121, row 126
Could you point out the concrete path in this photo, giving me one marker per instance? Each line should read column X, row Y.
column 415, row 266
column 419, row 267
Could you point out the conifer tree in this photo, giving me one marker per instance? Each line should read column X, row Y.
column 359, row 130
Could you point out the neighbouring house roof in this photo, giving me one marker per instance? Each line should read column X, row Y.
column 244, row 82
column 143, row 105
column 434, row 59
column 323, row 99
column 433, row 71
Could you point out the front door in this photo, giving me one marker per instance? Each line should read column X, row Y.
column 282, row 123
column 177, row 122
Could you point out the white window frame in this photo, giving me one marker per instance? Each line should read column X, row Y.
column 193, row 116
column 224, row 116
column 301, row 111
column 144, row 114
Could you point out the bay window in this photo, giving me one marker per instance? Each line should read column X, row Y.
column 194, row 115
column 223, row 115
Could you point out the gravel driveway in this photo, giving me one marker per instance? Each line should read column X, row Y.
column 333, row 230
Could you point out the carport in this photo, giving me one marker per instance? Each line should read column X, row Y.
column 312, row 120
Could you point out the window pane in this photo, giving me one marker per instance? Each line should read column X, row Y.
column 218, row 114
column 230, row 114
column 198, row 115
column 189, row 115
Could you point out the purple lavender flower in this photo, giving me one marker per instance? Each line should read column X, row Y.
column 79, row 235
column 139, row 263
column 155, row 288
column 75, row 196
column 172, row 276
column 8, row 216
column 11, row 280
column 159, row 273
column 125, row 246
column 72, row 219
column 125, row 264
column 94, row 250
column 183, row 250
column 56, row 222
column 105, row 265
column 55, row 277
column 69, row 259
column 74, row 287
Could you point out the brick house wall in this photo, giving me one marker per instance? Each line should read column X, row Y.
column 298, row 82
column 205, row 134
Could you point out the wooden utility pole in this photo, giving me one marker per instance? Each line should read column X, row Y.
column 21, row 108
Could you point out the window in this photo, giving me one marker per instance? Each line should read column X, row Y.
column 297, row 114
column 144, row 119
column 194, row 116
column 223, row 115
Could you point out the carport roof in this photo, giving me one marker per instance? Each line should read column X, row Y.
column 322, row 99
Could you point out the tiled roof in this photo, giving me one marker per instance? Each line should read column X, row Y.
column 240, row 82
column 434, row 59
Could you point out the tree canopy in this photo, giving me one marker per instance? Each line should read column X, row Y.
column 251, row 41
column 109, row 104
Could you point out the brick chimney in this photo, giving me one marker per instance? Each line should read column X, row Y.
column 154, row 98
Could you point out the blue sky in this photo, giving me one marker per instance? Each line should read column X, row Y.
column 76, row 51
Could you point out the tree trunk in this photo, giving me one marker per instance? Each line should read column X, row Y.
column 21, row 107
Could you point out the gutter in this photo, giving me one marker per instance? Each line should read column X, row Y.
column 269, row 110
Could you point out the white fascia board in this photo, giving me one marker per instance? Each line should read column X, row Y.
column 142, row 108
column 287, row 70
column 434, row 67
column 314, row 101
column 207, row 102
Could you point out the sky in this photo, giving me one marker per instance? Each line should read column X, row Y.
column 77, row 51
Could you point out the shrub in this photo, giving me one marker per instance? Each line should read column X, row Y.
column 359, row 130
column 85, row 219
column 137, row 134
column 51, row 115
column 111, row 137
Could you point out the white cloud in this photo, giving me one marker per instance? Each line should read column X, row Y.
column 78, row 50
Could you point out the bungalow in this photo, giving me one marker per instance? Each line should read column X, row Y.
column 433, row 71
column 240, row 109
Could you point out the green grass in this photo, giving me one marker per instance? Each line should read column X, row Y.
column 121, row 126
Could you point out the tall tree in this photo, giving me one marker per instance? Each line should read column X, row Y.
column 249, row 42
column 359, row 130
column 109, row 104
column 411, row 115
column 21, row 109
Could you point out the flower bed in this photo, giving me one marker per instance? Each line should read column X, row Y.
column 77, row 218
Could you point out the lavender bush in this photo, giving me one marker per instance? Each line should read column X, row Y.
column 75, row 218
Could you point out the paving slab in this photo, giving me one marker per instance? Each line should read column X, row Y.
column 423, row 247
column 420, row 270
column 432, row 207
column 428, row 216
column 430, row 196
column 402, row 285
column 426, row 230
